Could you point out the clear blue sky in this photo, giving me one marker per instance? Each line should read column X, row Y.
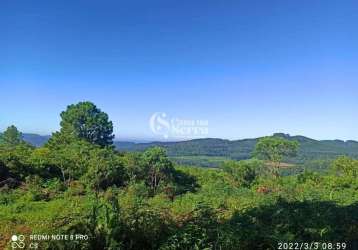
column 250, row 68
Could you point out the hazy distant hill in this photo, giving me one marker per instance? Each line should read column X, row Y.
column 209, row 152
column 36, row 140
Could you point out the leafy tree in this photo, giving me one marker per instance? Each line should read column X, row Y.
column 16, row 160
column 100, row 167
column 58, row 139
column 76, row 156
column 182, row 183
column 15, row 154
column 85, row 121
column 157, row 167
column 133, row 165
column 71, row 159
column 243, row 172
column 274, row 149
column 40, row 160
column 11, row 137
column 105, row 169
column 346, row 165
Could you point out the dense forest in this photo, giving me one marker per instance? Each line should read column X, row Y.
column 78, row 182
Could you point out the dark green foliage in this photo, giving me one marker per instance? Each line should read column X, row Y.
column 11, row 137
column 4, row 171
column 243, row 172
column 308, row 221
column 14, row 155
column 15, row 160
column 105, row 169
column 85, row 121
column 184, row 183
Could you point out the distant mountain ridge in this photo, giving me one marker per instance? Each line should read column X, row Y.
column 35, row 139
column 310, row 149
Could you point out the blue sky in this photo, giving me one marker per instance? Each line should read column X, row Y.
column 250, row 68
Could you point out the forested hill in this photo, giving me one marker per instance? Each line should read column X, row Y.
column 310, row 149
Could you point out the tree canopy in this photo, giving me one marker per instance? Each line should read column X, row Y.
column 274, row 149
column 345, row 165
column 85, row 121
column 11, row 137
column 244, row 172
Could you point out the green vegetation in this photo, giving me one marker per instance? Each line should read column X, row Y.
column 274, row 149
column 206, row 152
column 78, row 183
column 243, row 172
column 11, row 137
column 84, row 121
column 312, row 154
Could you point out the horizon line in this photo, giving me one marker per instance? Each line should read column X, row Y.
column 135, row 139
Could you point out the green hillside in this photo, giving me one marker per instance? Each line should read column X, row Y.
column 194, row 150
